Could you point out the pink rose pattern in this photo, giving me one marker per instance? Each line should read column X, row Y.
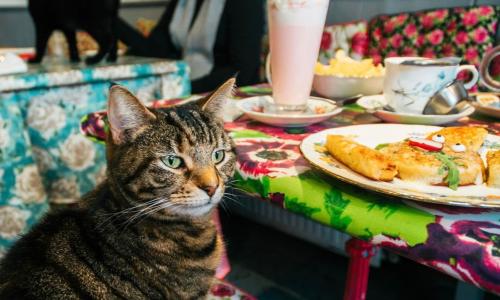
column 357, row 40
column 464, row 32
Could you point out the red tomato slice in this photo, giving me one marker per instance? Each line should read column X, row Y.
column 425, row 144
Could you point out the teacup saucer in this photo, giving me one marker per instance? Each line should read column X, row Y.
column 376, row 103
column 319, row 109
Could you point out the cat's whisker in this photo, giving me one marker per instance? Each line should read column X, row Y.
column 237, row 188
column 229, row 197
column 225, row 208
column 142, row 212
column 113, row 216
column 134, row 209
column 147, row 212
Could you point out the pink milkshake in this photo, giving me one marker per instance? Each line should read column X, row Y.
column 295, row 28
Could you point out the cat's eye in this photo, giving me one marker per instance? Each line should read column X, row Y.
column 173, row 161
column 218, row 156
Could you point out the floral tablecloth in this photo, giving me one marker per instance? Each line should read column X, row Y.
column 43, row 156
column 462, row 242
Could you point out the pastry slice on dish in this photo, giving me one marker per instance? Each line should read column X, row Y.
column 493, row 161
column 443, row 167
column 471, row 137
column 364, row 160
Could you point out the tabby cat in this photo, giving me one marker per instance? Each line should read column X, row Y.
column 147, row 231
column 97, row 17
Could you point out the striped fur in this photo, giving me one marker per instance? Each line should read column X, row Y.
column 147, row 231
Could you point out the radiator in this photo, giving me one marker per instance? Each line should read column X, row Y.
column 267, row 214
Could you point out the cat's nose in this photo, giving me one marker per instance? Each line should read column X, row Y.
column 209, row 189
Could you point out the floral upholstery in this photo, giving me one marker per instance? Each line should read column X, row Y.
column 43, row 156
column 463, row 32
column 22, row 196
column 351, row 37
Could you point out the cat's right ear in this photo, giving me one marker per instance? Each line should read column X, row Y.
column 127, row 116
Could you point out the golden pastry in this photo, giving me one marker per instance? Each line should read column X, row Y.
column 445, row 167
column 493, row 161
column 471, row 137
column 366, row 161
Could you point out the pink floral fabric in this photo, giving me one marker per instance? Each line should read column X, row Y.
column 463, row 32
column 351, row 37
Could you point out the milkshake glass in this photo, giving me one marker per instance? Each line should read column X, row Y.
column 295, row 30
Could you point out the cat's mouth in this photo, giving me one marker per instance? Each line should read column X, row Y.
column 197, row 203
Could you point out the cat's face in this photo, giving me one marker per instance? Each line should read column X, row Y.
column 171, row 161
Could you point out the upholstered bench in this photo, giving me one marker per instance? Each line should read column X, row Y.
column 43, row 156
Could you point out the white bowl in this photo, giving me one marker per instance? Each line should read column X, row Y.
column 340, row 87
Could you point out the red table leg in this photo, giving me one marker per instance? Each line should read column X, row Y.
column 360, row 253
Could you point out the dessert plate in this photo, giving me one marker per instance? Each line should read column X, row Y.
column 314, row 150
column 375, row 104
column 259, row 109
column 488, row 104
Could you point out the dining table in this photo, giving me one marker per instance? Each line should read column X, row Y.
column 463, row 242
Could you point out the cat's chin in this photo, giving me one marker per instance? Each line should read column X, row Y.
column 196, row 211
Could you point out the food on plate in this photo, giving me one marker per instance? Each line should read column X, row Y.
column 493, row 161
column 444, row 167
column 446, row 157
column 344, row 66
column 364, row 160
column 425, row 144
column 488, row 99
column 470, row 137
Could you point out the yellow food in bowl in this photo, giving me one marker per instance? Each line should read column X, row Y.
column 344, row 66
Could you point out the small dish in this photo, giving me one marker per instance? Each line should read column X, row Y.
column 488, row 104
column 332, row 86
column 319, row 109
column 376, row 103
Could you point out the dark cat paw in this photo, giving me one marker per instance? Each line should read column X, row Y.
column 75, row 59
column 93, row 60
column 35, row 60
column 111, row 58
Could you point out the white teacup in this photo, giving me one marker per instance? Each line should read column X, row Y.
column 408, row 88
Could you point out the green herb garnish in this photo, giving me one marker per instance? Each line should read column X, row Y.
column 448, row 164
column 380, row 146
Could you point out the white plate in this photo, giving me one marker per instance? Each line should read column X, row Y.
column 375, row 102
column 319, row 109
column 375, row 134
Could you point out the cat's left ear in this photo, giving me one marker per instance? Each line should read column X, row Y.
column 214, row 103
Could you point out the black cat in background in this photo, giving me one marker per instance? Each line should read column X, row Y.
column 97, row 17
